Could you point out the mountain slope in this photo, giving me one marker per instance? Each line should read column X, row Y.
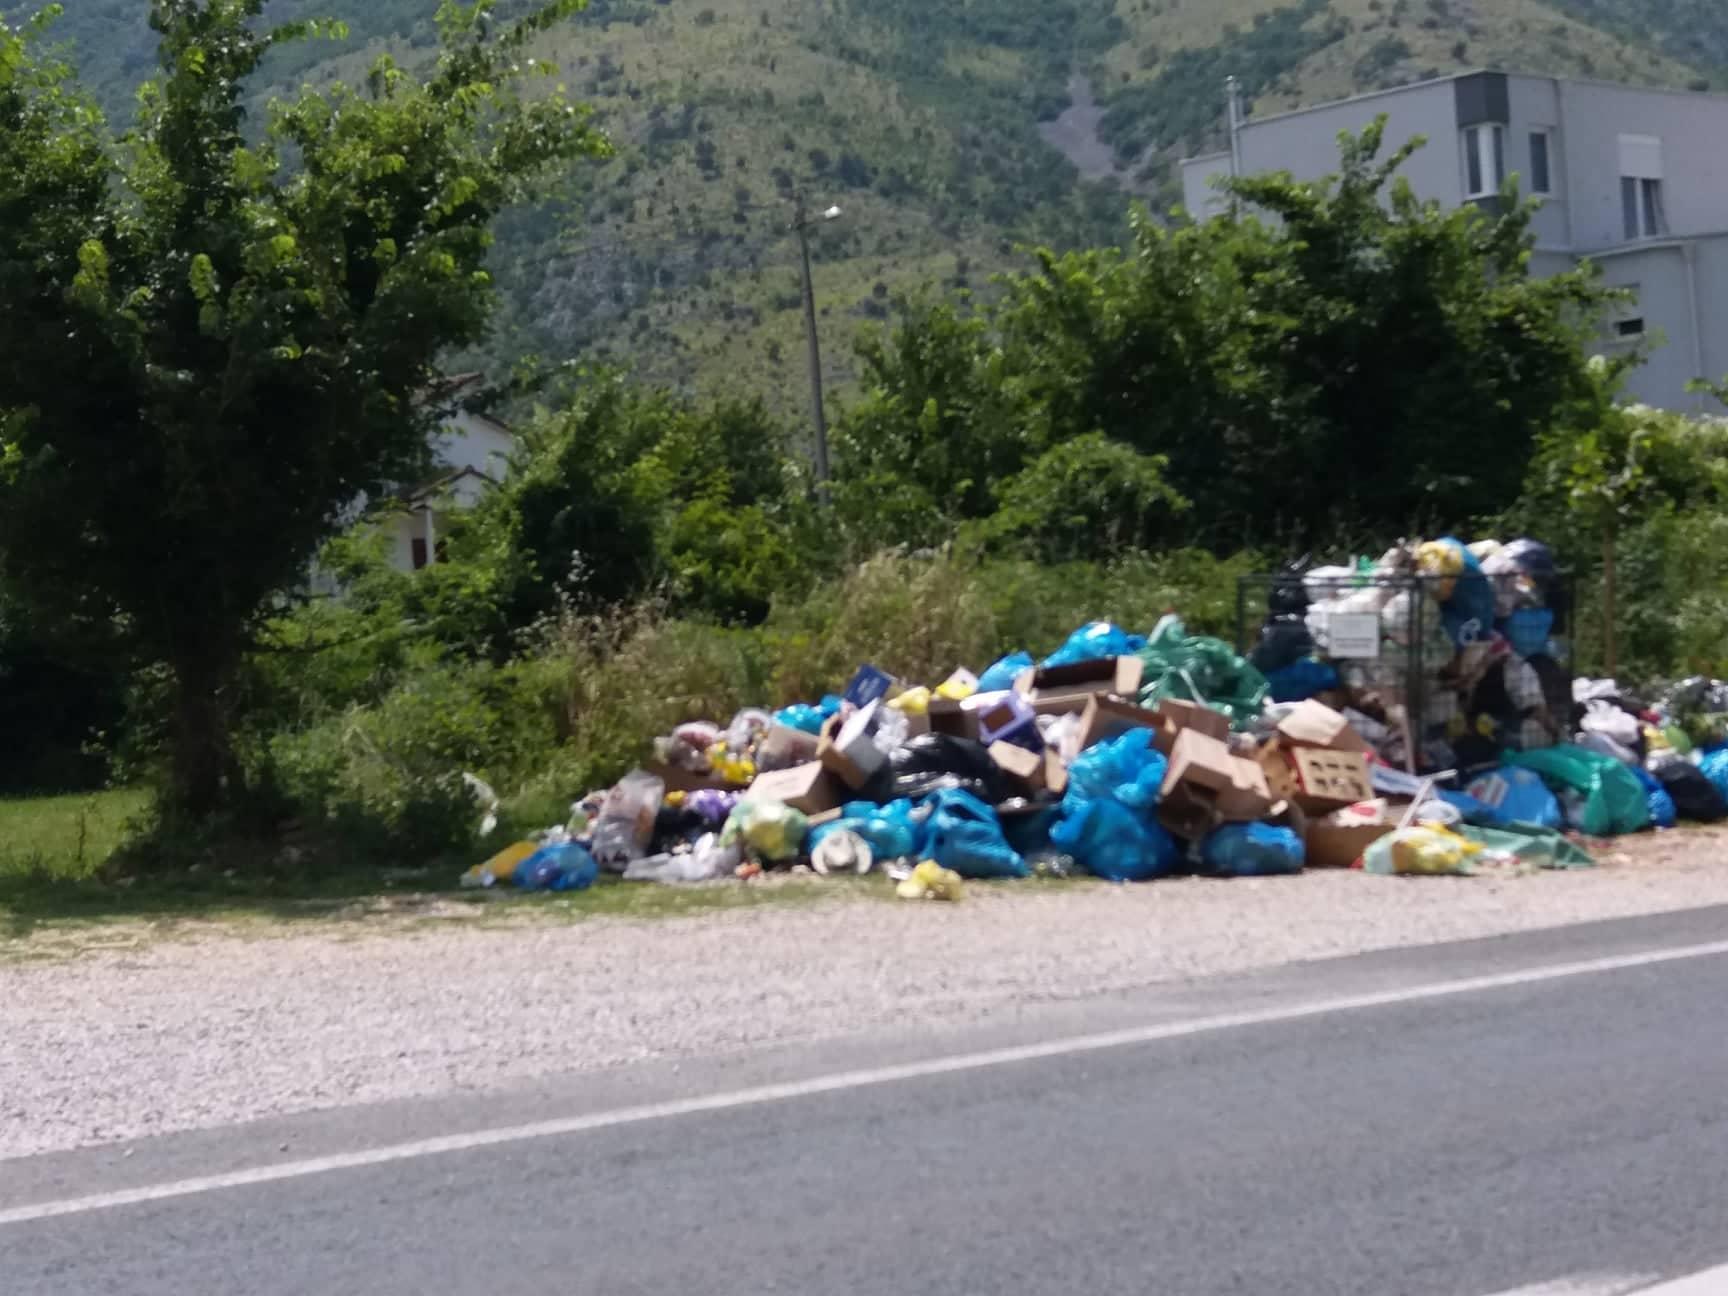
column 948, row 130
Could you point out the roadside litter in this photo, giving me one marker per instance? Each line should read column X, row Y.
column 1410, row 715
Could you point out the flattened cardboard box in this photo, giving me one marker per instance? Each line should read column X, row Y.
column 1058, row 690
column 1024, row 768
column 1314, row 724
column 1106, row 718
column 1175, row 715
column 1205, row 786
column 810, row 788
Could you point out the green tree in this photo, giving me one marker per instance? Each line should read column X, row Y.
column 214, row 338
column 1612, row 467
column 1338, row 357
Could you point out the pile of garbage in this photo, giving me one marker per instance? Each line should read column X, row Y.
column 1407, row 716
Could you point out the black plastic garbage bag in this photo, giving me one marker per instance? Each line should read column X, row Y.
column 934, row 763
column 1284, row 640
column 1695, row 797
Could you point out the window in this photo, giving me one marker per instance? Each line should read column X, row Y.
column 417, row 551
column 1484, row 161
column 1541, row 164
column 1641, row 208
column 1626, row 322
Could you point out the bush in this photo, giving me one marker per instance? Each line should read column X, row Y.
column 582, row 705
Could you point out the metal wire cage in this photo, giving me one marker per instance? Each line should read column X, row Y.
column 1399, row 647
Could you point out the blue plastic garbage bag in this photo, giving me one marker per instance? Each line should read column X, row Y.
column 1110, row 841
column 888, row 830
column 963, row 834
column 1302, row 679
column 1478, row 813
column 1000, row 675
column 565, row 867
column 1517, row 796
column 801, row 716
column 1098, row 640
column 1128, row 769
column 1714, row 766
column 1251, row 850
column 1662, row 811
column 1468, row 615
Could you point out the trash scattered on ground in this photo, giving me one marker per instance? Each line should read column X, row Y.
column 1411, row 715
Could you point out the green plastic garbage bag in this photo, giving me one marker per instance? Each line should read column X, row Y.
column 1539, row 847
column 1614, row 799
column 1200, row 669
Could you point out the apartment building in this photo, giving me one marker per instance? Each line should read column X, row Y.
column 1633, row 180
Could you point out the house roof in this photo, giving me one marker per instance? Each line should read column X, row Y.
column 438, row 485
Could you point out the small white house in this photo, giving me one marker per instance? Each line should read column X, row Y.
column 473, row 453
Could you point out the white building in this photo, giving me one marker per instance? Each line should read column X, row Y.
column 1633, row 180
column 473, row 454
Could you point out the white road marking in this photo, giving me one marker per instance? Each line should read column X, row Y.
column 843, row 1080
column 1589, row 1285
column 1711, row 1282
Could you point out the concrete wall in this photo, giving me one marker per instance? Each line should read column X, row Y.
column 1665, row 276
column 1535, row 105
column 1306, row 143
column 1199, row 196
column 1694, row 134
column 470, row 441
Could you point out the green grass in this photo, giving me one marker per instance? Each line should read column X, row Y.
column 53, row 853
column 64, row 838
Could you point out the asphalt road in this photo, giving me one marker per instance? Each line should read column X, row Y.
column 1482, row 1140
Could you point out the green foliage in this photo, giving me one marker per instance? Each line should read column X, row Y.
column 388, row 777
column 1180, row 108
column 384, row 771
column 1362, row 363
column 1693, row 31
column 1084, row 498
column 205, row 354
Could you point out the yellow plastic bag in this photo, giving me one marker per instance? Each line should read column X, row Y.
column 930, row 881
column 1426, row 850
column 959, row 686
column 500, row 870
column 913, row 702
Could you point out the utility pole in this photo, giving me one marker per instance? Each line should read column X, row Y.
column 1233, row 96
column 801, row 223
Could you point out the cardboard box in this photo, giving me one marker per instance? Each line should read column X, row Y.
column 1024, row 768
column 1055, row 771
column 1058, row 690
column 846, row 750
column 811, row 788
column 1174, row 715
column 1009, row 718
column 783, row 746
column 1313, row 724
column 682, row 780
column 1106, row 718
column 1316, row 778
column 1205, row 786
column 1337, row 840
column 949, row 717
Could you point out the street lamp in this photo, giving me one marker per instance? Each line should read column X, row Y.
column 801, row 223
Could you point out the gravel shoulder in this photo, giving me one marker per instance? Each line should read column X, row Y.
column 205, row 1027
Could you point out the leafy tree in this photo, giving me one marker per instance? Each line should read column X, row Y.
column 1612, row 467
column 213, row 340
column 1087, row 498
column 1361, row 362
